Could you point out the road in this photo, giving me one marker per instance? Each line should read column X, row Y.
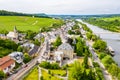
column 107, row 76
column 31, row 64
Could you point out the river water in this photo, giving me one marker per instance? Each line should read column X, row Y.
column 112, row 39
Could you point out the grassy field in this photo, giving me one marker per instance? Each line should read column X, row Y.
column 47, row 76
column 59, row 72
column 25, row 23
column 33, row 75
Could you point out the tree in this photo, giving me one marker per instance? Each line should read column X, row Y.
column 30, row 34
column 70, row 41
column 41, row 78
column 45, row 64
column 107, row 61
column 57, row 42
column 20, row 49
column 55, row 66
column 77, row 71
column 36, row 42
column 114, row 70
column 76, row 26
column 2, row 75
column 79, row 48
column 89, row 35
column 94, row 38
column 119, row 76
column 91, row 75
column 102, row 55
column 4, row 32
column 85, row 62
column 70, row 32
column 100, row 45
column 27, row 58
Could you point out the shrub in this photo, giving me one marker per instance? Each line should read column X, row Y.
column 47, row 65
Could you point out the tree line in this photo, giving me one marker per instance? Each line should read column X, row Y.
column 10, row 13
column 113, row 25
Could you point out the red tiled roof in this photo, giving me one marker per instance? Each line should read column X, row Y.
column 5, row 62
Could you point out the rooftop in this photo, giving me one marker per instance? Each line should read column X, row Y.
column 5, row 62
column 65, row 46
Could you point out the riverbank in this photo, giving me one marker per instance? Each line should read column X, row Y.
column 101, row 56
column 112, row 39
column 111, row 23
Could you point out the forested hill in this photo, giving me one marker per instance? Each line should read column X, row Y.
column 108, row 23
column 10, row 13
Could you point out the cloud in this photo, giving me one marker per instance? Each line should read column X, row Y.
column 62, row 6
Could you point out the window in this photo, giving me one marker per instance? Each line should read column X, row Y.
column 4, row 68
column 9, row 66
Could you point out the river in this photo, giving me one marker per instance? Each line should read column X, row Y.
column 112, row 39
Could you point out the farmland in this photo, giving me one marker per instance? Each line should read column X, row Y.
column 24, row 23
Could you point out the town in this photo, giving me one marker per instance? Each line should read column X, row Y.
column 55, row 51
column 59, row 40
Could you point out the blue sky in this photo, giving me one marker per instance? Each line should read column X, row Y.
column 62, row 6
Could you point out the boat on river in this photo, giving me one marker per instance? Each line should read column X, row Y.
column 111, row 50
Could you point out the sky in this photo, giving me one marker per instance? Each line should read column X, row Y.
column 76, row 7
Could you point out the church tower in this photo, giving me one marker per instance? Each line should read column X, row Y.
column 15, row 32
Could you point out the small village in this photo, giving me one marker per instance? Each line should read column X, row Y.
column 62, row 54
column 58, row 48
column 59, row 40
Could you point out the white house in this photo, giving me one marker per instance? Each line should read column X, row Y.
column 17, row 56
column 3, row 36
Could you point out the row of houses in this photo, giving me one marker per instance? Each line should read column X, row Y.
column 7, row 63
column 64, row 52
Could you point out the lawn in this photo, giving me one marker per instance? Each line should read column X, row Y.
column 59, row 72
column 80, row 60
column 33, row 75
column 47, row 76
column 24, row 23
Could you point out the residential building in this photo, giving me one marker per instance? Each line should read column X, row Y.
column 7, row 64
column 33, row 51
column 67, row 50
column 17, row 56
column 3, row 36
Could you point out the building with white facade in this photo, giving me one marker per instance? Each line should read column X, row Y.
column 17, row 56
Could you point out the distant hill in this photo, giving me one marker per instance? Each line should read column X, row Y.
column 83, row 16
column 10, row 13
column 40, row 14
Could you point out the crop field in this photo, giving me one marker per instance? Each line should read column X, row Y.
column 24, row 23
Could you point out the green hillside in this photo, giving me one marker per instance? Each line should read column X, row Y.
column 26, row 23
column 111, row 18
column 109, row 23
